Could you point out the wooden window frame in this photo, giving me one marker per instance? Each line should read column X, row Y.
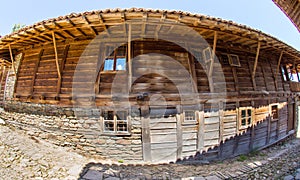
column 222, row 60
column 271, row 113
column 189, row 120
column 241, row 127
column 231, row 61
column 115, row 123
column 207, row 59
column 115, row 57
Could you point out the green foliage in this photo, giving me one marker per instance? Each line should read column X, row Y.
column 17, row 27
column 120, row 161
column 242, row 158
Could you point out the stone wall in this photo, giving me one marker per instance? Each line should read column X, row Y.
column 59, row 126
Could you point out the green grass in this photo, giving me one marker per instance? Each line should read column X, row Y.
column 242, row 158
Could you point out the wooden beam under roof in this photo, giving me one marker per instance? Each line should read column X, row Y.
column 88, row 23
column 101, row 20
column 65, row 31
column 78, row 29
column 144, row 25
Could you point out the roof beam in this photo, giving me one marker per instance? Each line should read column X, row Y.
column 78, row 29
column 64, row 30
column 101, row 20
column 91, row 27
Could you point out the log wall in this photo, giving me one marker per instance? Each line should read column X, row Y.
column 165, row 73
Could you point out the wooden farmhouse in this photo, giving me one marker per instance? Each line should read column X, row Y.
column 150, row 85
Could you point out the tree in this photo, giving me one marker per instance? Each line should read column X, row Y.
column 17, row 27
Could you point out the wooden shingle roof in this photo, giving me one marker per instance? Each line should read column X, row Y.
column 88, row 25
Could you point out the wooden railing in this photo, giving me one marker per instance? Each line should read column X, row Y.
column 295, row 86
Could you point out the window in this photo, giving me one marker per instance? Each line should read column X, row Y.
column 207, row 54
column 189, row 116
column 274, row 112
column 115, row 122
column 224, row 59
column 290, row 73
column 116, row 61
column 234, row 60
column 245, row 117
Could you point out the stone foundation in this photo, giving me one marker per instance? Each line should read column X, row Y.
column 59, row 126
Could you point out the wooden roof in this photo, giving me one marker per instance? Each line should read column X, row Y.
column 292, row 10
column 88, row 25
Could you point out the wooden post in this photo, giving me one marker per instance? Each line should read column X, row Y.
column 179, row 119
column 37, row 64
column 277, row 69
column 129, row 59
column 252, row 79
column 213, row 53
column 256, row 60
column 252, row 127
column 192, row 71
column 12, row 60
column 268, row 127
column 57, row 64
column 3, row 73
column 200, row 133
column 221, row 130
column 145, row 120
column 212, row 62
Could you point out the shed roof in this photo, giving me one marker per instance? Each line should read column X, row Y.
column 87, row 25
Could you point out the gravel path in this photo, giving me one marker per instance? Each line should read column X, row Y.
column 25, row 157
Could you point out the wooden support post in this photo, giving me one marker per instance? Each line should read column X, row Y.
column 2, row 77
column 37, row 64
column 255, row 63
column 129, row 59
column 192, row 71
column 57, row 64
column 236, row 142
column 268, row 127
column 252, row 127
column 211, row 67
column 200, row 133
column 12, row 60
column 145, row 120
column 179, row 119
column 252, row 79
column 277, row 69
column 221, row 130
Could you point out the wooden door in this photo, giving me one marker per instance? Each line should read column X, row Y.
column 162, row 125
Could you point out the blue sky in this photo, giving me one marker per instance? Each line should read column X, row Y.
column 258, row 14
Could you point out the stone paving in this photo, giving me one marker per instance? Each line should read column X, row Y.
column 24, row 157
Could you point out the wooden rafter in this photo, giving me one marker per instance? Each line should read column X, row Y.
column 144, row 25
column 64, row 30
column 101, row 20
column 78, row 29
column 89, row 24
